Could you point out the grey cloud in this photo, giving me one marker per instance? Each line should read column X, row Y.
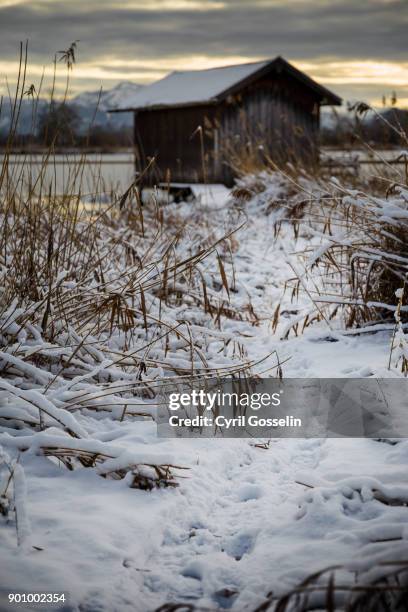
column 295, row 29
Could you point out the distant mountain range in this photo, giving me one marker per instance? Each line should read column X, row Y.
column 90, row 106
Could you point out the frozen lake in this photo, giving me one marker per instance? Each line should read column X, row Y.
column 103, row 173
column 88, row 174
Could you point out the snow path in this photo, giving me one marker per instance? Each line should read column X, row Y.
column 209, row 547
column 234, row 530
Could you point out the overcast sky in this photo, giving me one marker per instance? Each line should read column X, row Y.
column 359, row 49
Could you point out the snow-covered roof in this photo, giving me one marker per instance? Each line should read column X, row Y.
column 203, row 86
column 191, row 86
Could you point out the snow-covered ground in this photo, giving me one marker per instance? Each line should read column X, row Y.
column 246, row 520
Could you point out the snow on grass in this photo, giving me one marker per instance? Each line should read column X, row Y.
column 245, row 519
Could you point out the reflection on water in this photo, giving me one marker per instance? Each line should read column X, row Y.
column 93, row 176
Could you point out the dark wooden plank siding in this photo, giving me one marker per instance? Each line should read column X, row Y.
column 275, row 117
column 173, row 138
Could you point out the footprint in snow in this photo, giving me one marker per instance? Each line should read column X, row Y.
column 240, row 545
column 248, row 492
